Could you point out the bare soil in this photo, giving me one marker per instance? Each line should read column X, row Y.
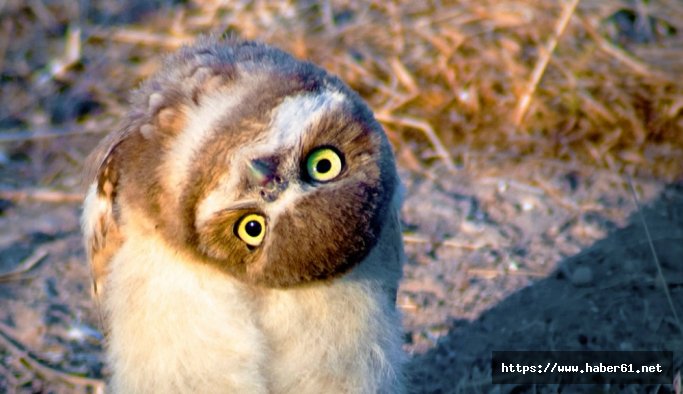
column 518, row 269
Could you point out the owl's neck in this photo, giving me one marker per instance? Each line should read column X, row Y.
column 177, row 326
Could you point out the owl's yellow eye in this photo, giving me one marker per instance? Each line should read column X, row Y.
column 251, row 229
column 323, row 164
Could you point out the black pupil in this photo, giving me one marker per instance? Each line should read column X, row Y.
column 253, row 228
column 323, row 166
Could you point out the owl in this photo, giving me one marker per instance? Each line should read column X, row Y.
column 243, row 231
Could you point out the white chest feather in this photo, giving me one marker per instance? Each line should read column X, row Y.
column 174, row 329
column 177, row 327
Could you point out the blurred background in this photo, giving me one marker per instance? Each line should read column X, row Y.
column 530, row 136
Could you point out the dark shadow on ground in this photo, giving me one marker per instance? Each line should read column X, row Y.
column 607, row 297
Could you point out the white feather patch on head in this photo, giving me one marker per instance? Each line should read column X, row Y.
column 199, row 128
column 295, row 116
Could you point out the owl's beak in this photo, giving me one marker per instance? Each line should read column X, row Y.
column 261, row 171
column 264, row 173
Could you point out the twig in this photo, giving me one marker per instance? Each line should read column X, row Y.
column 42, row 13
column 503, row 183
column 451, row 243
column 19, row 136
column 25, row 266
column 403, row 75
column 622, row 56
column 463, row 245
column 140, row 37
column 426, row 128
column 488, row 273
column 41, row 195
column 72, row 54
column 542, row 63
column 412, row 239
column 564, row 201
column 327, row 16
column 665, row 287
column 42, row 369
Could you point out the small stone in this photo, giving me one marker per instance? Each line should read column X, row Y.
column 582, row 276
column 527, row 205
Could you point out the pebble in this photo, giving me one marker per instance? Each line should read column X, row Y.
column 582, row 276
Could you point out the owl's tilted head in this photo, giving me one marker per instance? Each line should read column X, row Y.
column 261, row 165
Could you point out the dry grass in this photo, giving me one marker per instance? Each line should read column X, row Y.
column 467, row 82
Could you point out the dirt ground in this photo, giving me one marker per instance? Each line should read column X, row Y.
column 505, row 250
column 523, row 270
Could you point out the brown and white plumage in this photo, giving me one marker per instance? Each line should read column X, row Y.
column 225, row 134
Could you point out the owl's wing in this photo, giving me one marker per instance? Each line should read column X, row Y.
column 101, row 230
